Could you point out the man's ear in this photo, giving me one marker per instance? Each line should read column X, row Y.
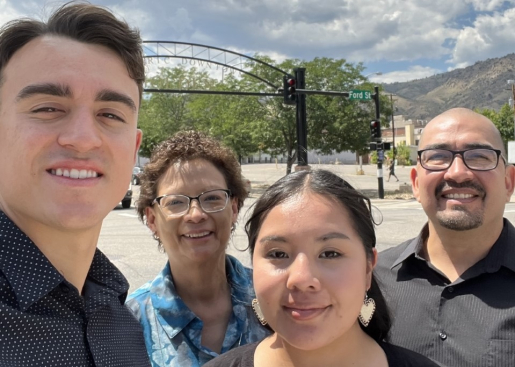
column 509, row 181
column 414, row 183
column 139, row 137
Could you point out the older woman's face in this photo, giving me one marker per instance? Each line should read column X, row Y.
column 311, row 272
column 196, row 236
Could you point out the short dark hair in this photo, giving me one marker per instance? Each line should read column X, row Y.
column 327, row 184
column 81, row 22
column 186, row 146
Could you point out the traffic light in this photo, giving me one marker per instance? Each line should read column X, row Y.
column 289, row 88
column 375, row 130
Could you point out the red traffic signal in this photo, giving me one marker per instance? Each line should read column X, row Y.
column 375, row 130
column 289, row 83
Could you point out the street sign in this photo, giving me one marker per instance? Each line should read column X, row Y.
column 380, row 155
column 364, row 95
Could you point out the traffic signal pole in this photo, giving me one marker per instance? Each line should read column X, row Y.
column 302, row 124
column 380, row 187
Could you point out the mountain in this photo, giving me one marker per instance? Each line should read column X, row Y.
column 482, row 85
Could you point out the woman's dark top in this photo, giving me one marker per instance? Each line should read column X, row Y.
column 396, row 357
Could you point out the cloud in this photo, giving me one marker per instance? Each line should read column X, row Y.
column 8, row 12
column 490, row 36
column 458, row 31
column 488, row 5
column 414, row 72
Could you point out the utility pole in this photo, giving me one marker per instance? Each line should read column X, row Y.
column 393, row 130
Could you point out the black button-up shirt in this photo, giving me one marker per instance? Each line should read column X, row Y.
column 44, row 321
column 469, row 322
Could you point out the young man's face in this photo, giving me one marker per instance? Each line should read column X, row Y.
column 66, row 109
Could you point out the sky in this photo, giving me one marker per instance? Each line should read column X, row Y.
column 402, row 39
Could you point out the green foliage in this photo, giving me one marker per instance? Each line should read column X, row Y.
column 503, row 120
column 251, row 124
column 402, row 156
column 373, row 157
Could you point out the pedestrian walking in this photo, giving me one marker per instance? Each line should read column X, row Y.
column 391, row 167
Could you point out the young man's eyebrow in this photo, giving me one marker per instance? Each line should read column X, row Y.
column 108, row 95
column 51, row 89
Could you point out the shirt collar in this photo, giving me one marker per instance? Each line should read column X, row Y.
column 26, row 267
column 502, row 252
column 174, row 315
column 413, row 248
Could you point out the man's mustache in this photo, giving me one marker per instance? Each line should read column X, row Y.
column 448, row 185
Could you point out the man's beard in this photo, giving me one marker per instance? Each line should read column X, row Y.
column 460, row 219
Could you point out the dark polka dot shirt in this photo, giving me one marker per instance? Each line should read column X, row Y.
column 44, row 321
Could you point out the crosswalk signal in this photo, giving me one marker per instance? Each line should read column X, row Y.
column 375, row 130
column 289, row 90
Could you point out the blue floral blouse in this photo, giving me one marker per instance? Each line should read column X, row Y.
column 172, row 332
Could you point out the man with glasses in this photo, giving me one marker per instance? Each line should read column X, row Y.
column 450, row 289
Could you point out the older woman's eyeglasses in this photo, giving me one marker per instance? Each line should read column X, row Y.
column 211, row 201
column 477, row 159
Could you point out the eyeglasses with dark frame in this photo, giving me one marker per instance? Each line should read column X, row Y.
column 211, row 201
column 476, row 159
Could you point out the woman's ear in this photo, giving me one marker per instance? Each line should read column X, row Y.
column 151, row 219
column 234, row 206
column 371, row 264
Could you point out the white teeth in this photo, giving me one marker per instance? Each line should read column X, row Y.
column 74, row 173
column 196, row 235
column 459, row 196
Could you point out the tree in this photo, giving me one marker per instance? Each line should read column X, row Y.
column 503, row 120
column 164, row 114
column 250, row 124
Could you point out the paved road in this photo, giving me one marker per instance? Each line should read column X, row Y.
column 129, row 244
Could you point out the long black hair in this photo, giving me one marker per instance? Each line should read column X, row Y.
column 328, row 184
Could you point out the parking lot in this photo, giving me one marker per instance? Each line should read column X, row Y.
column 129, row 244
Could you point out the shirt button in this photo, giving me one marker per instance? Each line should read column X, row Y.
column 443, row 336
column 450, row 289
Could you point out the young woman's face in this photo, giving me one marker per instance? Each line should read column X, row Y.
column 311, row 272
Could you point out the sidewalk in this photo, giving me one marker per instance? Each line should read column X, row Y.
column 263, row 175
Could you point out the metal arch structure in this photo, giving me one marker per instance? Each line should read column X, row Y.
column 208, row 54
column 235, row 61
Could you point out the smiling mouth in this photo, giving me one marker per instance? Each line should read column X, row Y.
column 197, row 235
column 305, row 313
column 74, row 173
column 458, row 196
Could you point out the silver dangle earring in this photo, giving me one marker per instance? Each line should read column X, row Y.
column 367, row 311
column 258, row 312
